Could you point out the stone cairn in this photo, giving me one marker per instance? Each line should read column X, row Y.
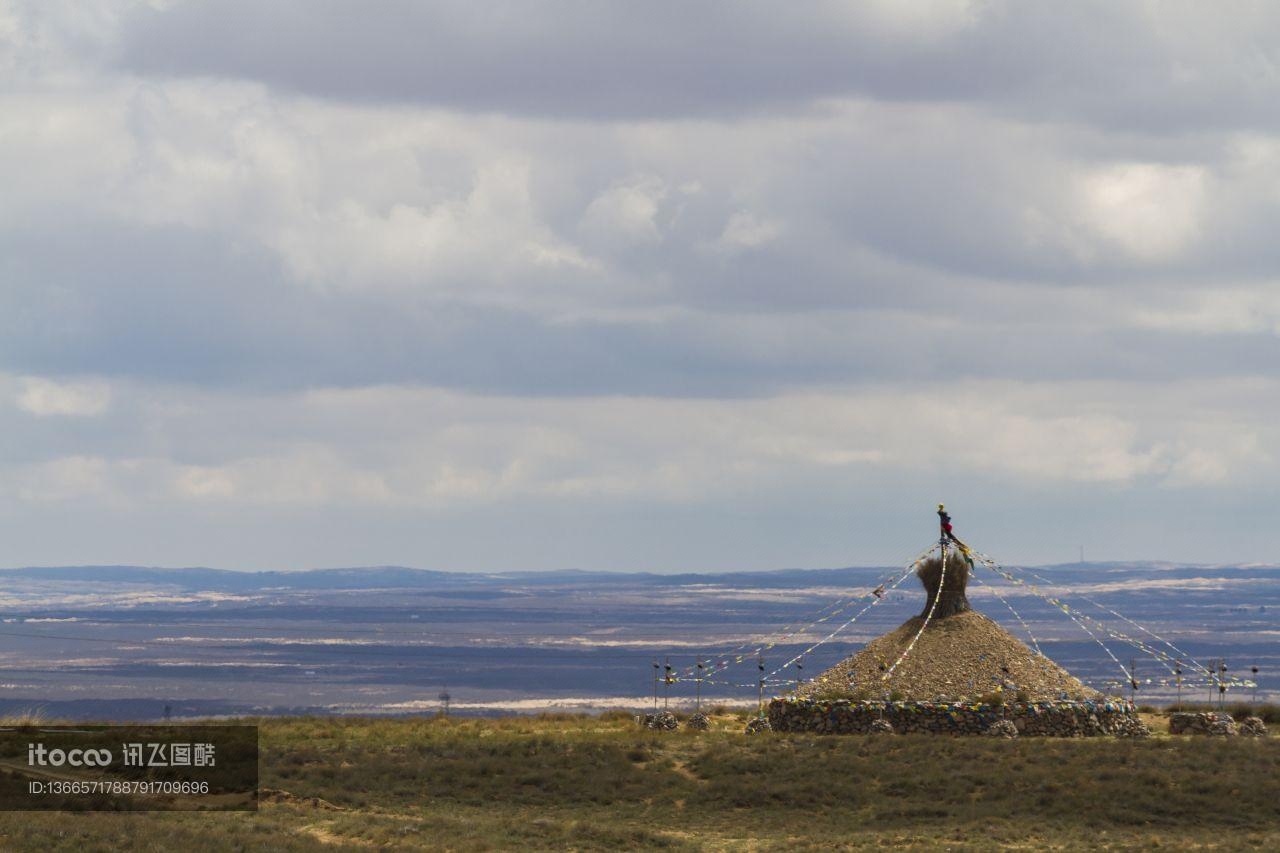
column 951, row 670
column 1252, row 727
column 699, row 722
column 758, row 725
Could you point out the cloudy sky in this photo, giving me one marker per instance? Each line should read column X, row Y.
column 663, row 285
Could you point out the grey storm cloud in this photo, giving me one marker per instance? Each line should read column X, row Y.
column 1134, row 65
column 685, row 274
column 175, row 305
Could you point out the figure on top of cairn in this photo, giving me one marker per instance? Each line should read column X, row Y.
column 949, row 536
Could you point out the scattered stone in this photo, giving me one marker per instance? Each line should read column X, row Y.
column 1131, row 726
column 698, row 722
column 275, row 795
column 1205, row 723
column 881, row 727
column 1252, row 727
column 1002, row 728
column 1223, row 728
column 758, row 725
column 663, row 721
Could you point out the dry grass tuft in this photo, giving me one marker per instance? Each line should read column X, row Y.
column 29, row 717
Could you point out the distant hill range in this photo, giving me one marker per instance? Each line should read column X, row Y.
column 402, row 577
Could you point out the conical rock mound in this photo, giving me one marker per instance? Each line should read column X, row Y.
column 961, row 657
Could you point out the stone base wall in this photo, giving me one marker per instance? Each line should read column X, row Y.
column 1033, row 719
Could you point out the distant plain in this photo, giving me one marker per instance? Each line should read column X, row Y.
column 129, row 643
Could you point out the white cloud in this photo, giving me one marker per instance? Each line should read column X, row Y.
column 432, row 449
column 1234, row 311
column 745, row 230
column 493, row 232
column 1152, row 210
column 46, row 397
column 625, row 214
column 67, row 478
column 922, row 20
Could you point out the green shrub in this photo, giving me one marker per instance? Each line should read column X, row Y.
column 1270, row 713
column 831, row 693
column 616, row 715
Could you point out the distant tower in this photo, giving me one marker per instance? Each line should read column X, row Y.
column 444, row 698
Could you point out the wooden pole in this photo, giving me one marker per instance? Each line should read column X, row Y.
column 760, row 666
column 655, row 685
column 666, row 685
column 697, row 702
